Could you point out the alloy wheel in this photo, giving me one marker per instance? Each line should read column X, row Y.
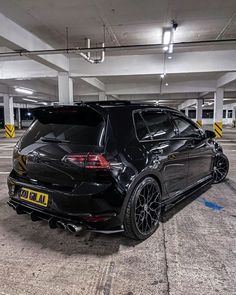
column 220, row 168
column 147, row 208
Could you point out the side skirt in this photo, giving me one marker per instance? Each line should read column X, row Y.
column 169, row 203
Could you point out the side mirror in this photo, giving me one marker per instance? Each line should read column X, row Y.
column 210, row 134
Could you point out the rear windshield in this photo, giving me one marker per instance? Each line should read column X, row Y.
column 76, row 125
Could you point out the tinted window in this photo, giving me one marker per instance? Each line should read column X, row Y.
column 158, row 124
column 185, row 128
column 80, row 126
column 141, row 128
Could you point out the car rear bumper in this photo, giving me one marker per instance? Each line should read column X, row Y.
column 99, row 211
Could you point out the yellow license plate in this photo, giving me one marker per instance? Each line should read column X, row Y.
column 34, row 197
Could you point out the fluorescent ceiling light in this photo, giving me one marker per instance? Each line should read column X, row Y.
column 28, row 99
column 170, row 48
column 165, row 48
column 169, row 57
column 166, row 36
column 162, row 76
column 166, row 84
column 24, row 90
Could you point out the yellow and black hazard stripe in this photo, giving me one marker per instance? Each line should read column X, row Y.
column 10, row 131
column 218, row 129
column 21, row 164
column 199, row 123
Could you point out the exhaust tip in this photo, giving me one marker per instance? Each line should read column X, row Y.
column 74, row 228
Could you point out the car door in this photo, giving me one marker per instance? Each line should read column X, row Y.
column 169, row 153
column 200, row 152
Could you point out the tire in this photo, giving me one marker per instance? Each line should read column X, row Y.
column 143, row 210
column 221, row 168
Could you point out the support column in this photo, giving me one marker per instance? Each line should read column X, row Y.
column 65, row 88
column 218, row 112
column 186, row 112
column 102, row 96
column 18, row 118
column 9, row 116
column 199, row 112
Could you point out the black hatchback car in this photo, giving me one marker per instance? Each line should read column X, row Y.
column 110, row 166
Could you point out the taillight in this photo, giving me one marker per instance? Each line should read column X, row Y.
column 89, row 161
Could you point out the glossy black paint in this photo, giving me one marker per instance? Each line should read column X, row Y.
column 179, row 164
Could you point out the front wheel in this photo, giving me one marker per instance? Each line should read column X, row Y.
column 221, row 168
column 143, row 210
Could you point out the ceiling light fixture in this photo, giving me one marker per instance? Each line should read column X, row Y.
column 170, row 48
column 170, row 57
column 24, row 90
column 167, row 36
column 162, row 76
column 28, row 99
column 167, row 84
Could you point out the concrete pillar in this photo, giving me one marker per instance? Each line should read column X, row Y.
column 18, row 118
column 65, row 88
column 102, row 96
column 186, row 112
column 9, row 116
column 218, row 112
column 199, row 112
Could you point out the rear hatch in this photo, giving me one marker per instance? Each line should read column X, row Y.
column 59, row 145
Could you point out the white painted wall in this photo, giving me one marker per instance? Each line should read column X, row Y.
column 226, row 121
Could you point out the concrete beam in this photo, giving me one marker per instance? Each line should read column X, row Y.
column 95, row 84
column 149, row 64
column 146, row 88
column 17, row 37
column 187, row 103
column 226, row 79
column 25, row 69
column 21, row 105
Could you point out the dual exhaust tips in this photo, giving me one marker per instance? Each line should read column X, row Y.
column 51, row 222
column 69, row 226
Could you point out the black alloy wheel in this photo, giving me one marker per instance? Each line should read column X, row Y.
column 221, row 168
column 143, row 210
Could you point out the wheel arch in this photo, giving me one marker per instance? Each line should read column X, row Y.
column 132, row 186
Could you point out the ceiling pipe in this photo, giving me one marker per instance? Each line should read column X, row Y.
column 102, row 48
column 87, row 56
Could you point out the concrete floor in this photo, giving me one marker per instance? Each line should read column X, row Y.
column 193, row 252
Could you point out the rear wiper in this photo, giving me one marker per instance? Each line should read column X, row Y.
column 51, row 139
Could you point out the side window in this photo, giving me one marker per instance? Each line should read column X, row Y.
column 185, row 128
column 141, row 128
column 158, row 124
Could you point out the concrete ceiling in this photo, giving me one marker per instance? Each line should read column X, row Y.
column 127, row 21
column 126, row 74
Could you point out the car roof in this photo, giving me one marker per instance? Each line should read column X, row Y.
column 125, row 104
